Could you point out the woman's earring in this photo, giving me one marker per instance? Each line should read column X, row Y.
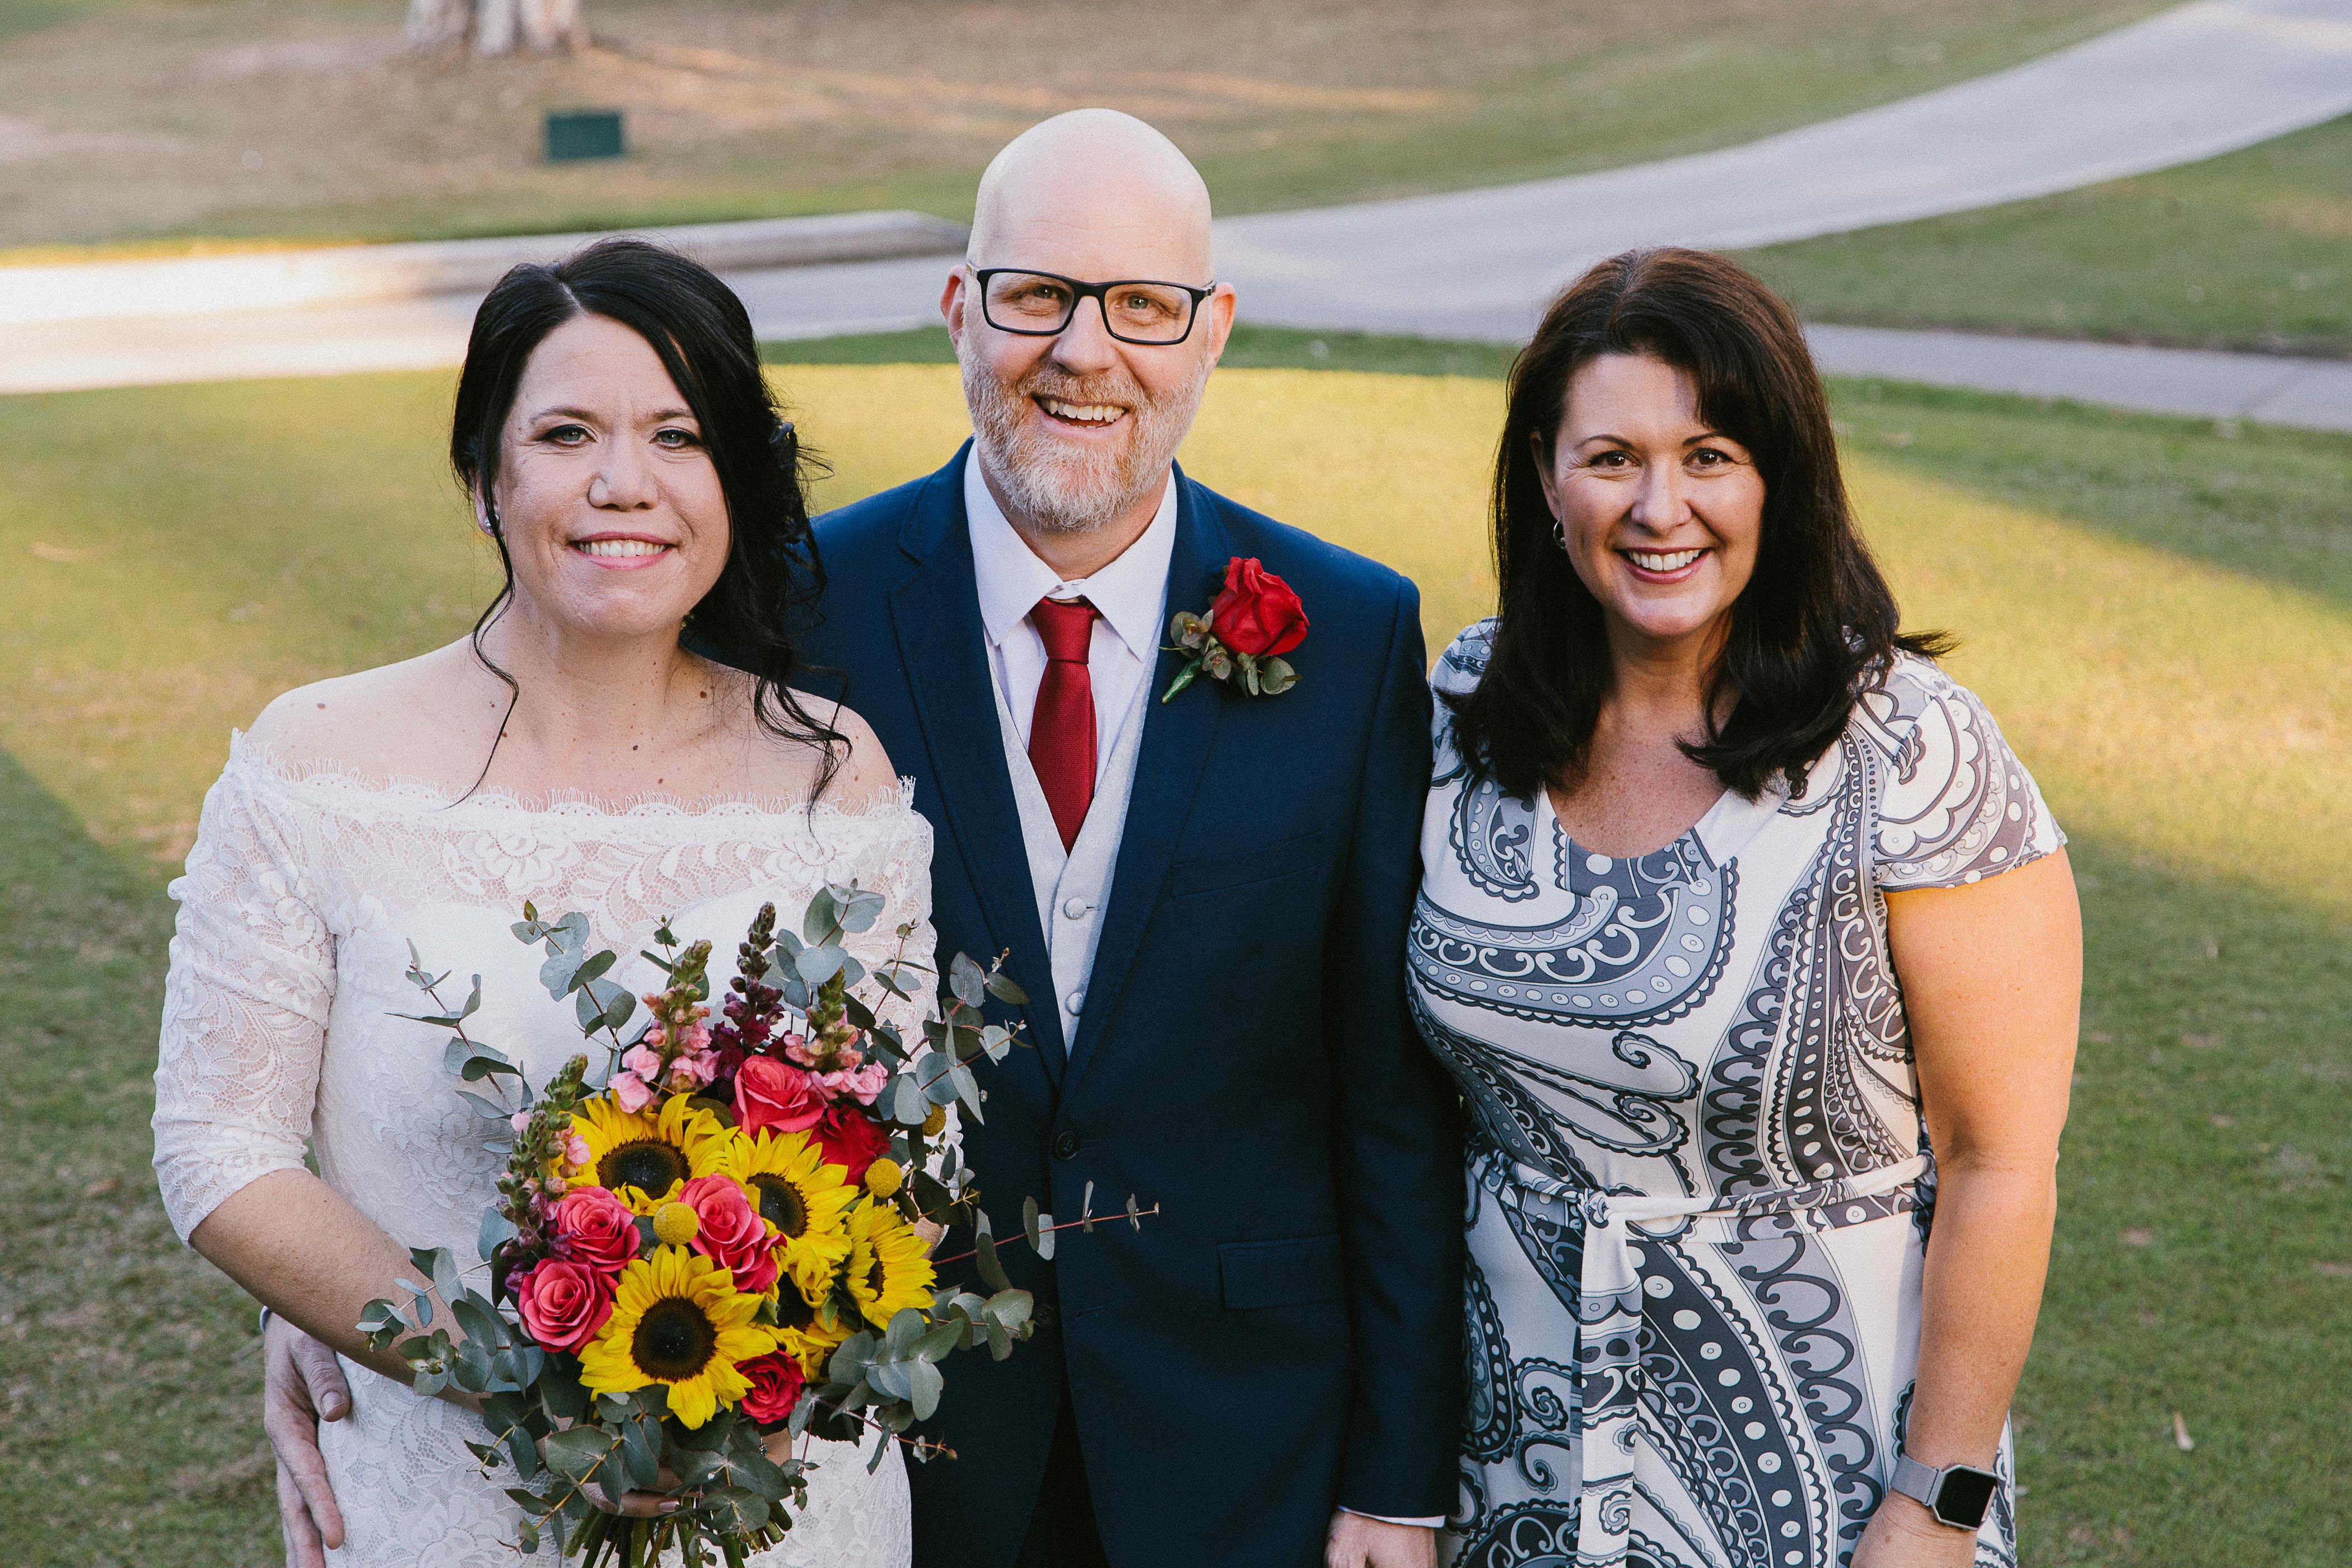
column 486, row 519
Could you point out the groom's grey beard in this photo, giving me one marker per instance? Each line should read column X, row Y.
column 1058, row 486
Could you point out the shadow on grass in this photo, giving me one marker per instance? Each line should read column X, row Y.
column 131, row 1429
column 2270, row 503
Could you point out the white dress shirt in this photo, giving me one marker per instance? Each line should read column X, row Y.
column 1129, row 592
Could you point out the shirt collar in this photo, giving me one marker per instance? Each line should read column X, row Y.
column 1131, row 590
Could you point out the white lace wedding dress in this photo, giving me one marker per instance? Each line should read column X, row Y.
column 304, row 889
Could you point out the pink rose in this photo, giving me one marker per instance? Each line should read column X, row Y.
column 732, row 1234
column 776, row 1382
column 631, row 1093
column 563, row 1303
column 594, row 1227
column 773, row 1097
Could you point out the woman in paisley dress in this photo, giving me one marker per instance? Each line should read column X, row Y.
column 626, row 463
column 1756, row 954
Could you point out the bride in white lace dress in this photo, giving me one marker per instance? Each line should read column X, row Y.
column 625, row 778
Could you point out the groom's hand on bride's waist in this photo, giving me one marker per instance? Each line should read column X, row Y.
column 301, row 1382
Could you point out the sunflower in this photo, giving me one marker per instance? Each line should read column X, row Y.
column 642, row 1157
column 678, row 1319
column 808, row 1330
column 889, row 1265
column 805, row 1199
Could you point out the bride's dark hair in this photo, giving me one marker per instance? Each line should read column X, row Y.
column 700, row 329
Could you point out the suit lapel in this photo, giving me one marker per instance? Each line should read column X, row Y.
column 1177, row 737
column 936, row 615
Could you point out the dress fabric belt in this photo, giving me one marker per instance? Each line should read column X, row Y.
column 1609, row 1314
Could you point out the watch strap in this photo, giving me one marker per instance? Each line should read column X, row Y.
column 1916, row 1480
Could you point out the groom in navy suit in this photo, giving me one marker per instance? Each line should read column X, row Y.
column 1205, row 900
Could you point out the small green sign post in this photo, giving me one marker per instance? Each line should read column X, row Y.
column 576, row 134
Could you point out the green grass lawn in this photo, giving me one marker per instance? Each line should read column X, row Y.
column 2249, row 251
column 195, row 120
column 2160, row 616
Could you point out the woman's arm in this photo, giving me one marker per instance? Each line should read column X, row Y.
column 1992, row 978
column 298, row 1246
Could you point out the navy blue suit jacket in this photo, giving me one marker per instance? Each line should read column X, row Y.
column 1285, row 1336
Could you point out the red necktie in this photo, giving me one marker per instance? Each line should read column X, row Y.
column 1062, row 726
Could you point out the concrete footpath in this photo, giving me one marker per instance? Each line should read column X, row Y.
column 2189, row 83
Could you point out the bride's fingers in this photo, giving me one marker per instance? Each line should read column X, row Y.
column 303, row 1547
column 632, row 1505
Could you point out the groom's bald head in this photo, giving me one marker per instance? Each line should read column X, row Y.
column 1094, row 183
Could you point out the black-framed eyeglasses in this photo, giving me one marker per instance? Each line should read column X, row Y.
column 1134, row 310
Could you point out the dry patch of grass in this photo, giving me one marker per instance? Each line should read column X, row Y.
column 144, row 120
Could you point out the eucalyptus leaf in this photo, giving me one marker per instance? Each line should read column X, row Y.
column 1000, row 987
column 927, row 1385
column 864, row 907
column 967, row 980
column 984, row 1258
column 817, row 923
column 593, row 967
column 735, row 1510
column 818, row 964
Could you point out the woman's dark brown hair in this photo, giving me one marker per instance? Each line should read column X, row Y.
column 1816, row 620
column 700, row 330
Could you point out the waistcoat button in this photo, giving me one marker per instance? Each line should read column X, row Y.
column 1065, row 1147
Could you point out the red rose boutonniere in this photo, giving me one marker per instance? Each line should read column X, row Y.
column 1250, row 626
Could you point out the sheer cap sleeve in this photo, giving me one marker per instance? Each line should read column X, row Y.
column 1956, row 804
column 1456, row 674
column 245, row 1003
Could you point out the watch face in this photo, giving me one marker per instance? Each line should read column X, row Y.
column 1965, row 1495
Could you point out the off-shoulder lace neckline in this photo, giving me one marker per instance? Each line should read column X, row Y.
column 327, row 779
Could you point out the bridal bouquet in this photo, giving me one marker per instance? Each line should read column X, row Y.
column 719, row 1241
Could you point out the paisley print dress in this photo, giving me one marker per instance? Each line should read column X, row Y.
column 1699, row 1188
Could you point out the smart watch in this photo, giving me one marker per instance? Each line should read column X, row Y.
column 1957, row 1495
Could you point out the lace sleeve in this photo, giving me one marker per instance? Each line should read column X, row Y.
column 245, row 1003
column 900, row 870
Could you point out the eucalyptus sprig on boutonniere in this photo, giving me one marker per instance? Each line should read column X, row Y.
column 1250, row 626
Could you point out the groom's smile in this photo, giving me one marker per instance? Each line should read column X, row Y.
column 1080, row 416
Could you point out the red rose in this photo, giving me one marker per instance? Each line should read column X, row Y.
column 563, row 1302
column 773, row 1097
column 849, row 1137
column 775, row 1386
column 1257, row 614
column 732, row 1234
column 594, row 1227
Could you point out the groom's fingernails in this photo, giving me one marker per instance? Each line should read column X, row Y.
column 667, row 1505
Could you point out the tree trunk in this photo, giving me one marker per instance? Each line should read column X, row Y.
column 496, row 26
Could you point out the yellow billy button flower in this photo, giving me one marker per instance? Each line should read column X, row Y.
column 889, row 1265
column 936, row 1122
column 805, row 1199
column 678, row 1319
column 643, row 1157
column 883, row 1177
column 676, row 1223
